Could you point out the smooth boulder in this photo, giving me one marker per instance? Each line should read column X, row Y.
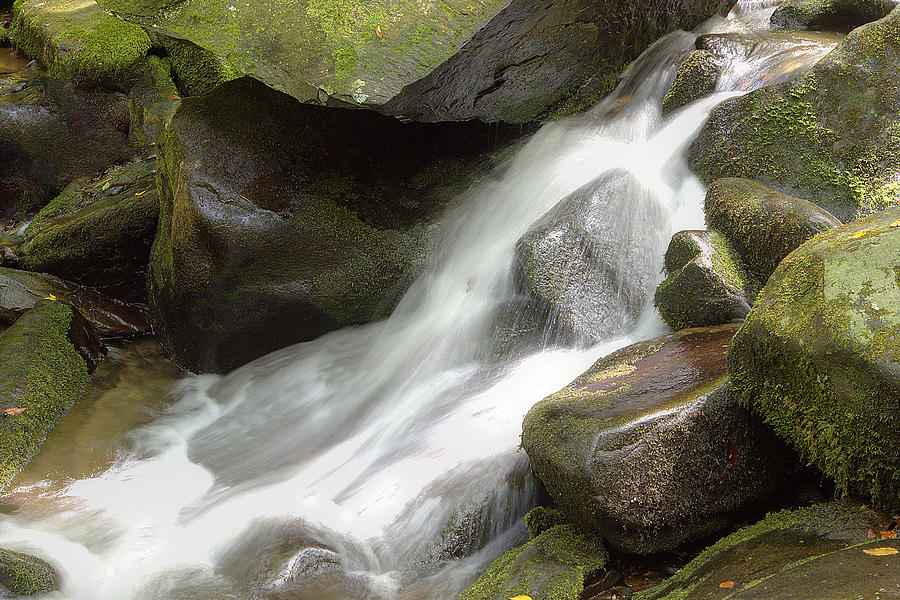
column 586, row 264
column 830, row 136
column 648, row 449
column 819, row 355
column 706, row 283
column 762, row 224
column 837, row 15
column 25, row 575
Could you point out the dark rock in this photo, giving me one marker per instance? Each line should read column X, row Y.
column 819, row 355
column 697, row 77
column 706, row 283
column 837, row 15
column 196, row 70
column 275, row 229
column 26, row 575
column 98, row 233
column 45, row 360
column 111, row 318
column 593, row 269
column 152, row 100
column 811, row 553
column 762, row 224
column 648, row 449
column 831, row 136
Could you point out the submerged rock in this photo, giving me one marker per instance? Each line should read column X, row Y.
column 813, row 553
column 45, row 359
column 819, row 355
column 831, row 136
column 26, row 575
column 697, row 77
column 592, row 268
column 648, row 449
column 705, row 282
column 762, row 224
column 837, row 15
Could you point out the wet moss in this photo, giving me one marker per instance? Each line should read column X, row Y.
column 697, row 77
column 540, row 519
column 26, row 575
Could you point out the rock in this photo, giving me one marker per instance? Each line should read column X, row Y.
column 494, row 60
column 591, row 268
column 706, row 283
column 98, row 233
column 197, row 70
column 831, row 136
column 75, row 39
column 762, row 224
column 26, row 575
column 551, row 566
column 648, row 449
column 152, row 100
column 731, row 45
column 837, row 15
column 811, row 553
column 45, row 359
column 519, row 326
column 697, row 77
column 111, row 318
column 540, row 518
column 275, row 228
column 819, row 355
column 52, row 132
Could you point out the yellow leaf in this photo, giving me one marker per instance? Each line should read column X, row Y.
column 520, row 598
column 896, row 223
column 726, row 584
column 50, row 297
column 882, row 551
column 140, row 193
column 378, row 33
column 859, row 234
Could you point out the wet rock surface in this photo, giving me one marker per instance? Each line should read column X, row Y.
column 697, row 77
column 648, row 448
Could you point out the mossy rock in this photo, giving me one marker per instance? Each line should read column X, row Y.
column 26, row 575
column 762, row 224
column 812, row 553
column 831, row 136
column 196, row 70
column 819, row 353
column 98, row 233
column 152, row 100
column 697, row 77
column 648, row 449
column 837, row 15
column 540, row 519
column 551, row 566
column 706, row 283
column 75, row 39
column 45, row 359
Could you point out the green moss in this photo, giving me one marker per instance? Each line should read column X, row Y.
column 26, row 575
column 697, row 77
column 540, row 519
column 196, row 70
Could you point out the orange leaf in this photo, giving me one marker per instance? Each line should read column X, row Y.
column 726, row 584
column 888, row 534
column 13, row 411
column 871, row 534
column 378, row 31
column 882, row 551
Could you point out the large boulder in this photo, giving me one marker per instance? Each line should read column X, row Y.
column 592, row 269
column 819, row 355
column 75, row 39
column 275, row 227
column 25, row 575
column 648, row 449
column 52, row 132
column 493, row 60
column 705, row 284
column 98, row 232
column 821, row 551
column 45, row 360
column 838, row 15
column 831, row 136
column 762, row 224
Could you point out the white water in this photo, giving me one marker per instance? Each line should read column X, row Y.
column 372, row 439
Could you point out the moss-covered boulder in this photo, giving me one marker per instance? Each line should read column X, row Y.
column 648, row 448
column 152, row 100
column 99, row 232
column 697, row 77
column 75, row 39
column 813, row 553
column 45, row 359
column 292, row 220
column 25, row 575
column 553, row 565
column 111, row 318
column 705, row 284
column 494, row 60
column 762, row 224
column 819, row 355
column 592, row 269
column 52, row 132
column 837, row 15
column 831, row 136
column 195, row 69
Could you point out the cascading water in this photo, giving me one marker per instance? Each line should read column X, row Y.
column 380, row 461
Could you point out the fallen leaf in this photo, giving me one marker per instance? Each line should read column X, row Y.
column 871, row 534
column 378, row 33
column 859, row 234
column 881, row 551
column 50, row 297
column 105, row 186
column 726, row 584
column 520, row 598
column 141, row 193
column 886, row 535
column 896, row 223
column 13, row 411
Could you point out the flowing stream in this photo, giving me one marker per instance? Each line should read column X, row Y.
column 380, row 461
